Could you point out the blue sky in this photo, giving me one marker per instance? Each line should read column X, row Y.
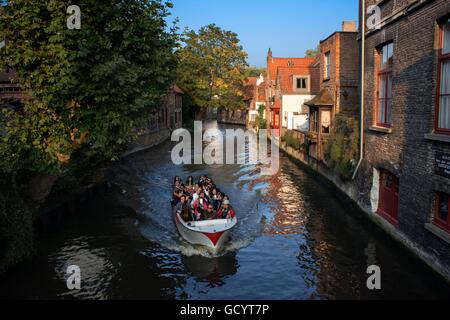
column 289, row 27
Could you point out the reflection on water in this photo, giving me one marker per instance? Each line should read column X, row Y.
column 212, row 271
column 296, row 239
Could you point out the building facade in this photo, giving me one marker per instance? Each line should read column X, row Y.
column 255, row 97
column 289, row 83
column 405, row 177
column 339, row 93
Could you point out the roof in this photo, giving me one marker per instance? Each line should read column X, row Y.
column 339, row 32
column 324, row 98
column 251, row 81
column 177, row 89
column 285, row 77
column 262, row 92
column 274, row 63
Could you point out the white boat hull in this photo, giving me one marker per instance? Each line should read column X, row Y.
column 213, row 234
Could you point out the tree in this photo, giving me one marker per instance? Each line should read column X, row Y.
column 254, row 72
column 85, row 88
column 342, row 148
column 212, row 67
column 312, row 53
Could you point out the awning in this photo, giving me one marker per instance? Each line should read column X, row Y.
column 324, row 98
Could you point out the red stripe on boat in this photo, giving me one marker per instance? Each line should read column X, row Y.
column 214, row 237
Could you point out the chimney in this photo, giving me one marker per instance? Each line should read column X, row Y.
column 349, row 26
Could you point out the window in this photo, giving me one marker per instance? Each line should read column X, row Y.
column 443, row 109
column 384, row 103
column 302, row 83
column 326, row 121
column 442, row 212
column 314, row 121
column 327, row 65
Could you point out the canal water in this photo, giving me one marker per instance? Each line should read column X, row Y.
column 297, row 238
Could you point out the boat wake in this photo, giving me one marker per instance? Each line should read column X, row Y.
column 146, row 182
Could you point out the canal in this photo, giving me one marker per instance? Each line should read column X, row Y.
column 297, row 238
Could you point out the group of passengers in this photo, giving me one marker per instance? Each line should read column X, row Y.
column 201, row 200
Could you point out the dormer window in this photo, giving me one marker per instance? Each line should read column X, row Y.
column 301, row 84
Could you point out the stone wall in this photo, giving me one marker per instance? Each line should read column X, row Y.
column 237, row 117
column 148, row 140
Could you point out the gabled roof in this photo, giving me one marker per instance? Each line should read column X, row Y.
column 285, row 78
column 275, row 63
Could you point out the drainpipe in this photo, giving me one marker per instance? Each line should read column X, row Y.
column 363, row 47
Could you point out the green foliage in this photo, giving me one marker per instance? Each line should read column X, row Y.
column 260, row 122
column 16, row 223
column 254, row 72
column 312, row 53
column 95, row 81
column 212, row 67
column 341, row 150
column 292, row 142
column 86, row 89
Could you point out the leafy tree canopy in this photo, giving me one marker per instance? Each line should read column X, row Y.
column 254, row 72
column 85, row 87
column 311, row 53
column 84, row 90
column 212, row 67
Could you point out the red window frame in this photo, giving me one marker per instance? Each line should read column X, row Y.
column 386, row 73
column 441, row 60
column 445, row 225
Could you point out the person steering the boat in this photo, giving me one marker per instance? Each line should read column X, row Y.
column 226, row 211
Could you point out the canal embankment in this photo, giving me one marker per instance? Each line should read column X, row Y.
column 350, row 189
column 56, row 206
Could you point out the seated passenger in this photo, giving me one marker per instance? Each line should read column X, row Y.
column 226, row 211
column 203, row 199
column 183, row 209
column 176, row 197
column 190, row 182
column 210, row 213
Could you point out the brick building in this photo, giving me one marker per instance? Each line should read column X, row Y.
column 405, row 176
column 339, row 93
column 289, row 83
column 254, row 96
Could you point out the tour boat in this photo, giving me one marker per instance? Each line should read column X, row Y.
column 213, row 234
